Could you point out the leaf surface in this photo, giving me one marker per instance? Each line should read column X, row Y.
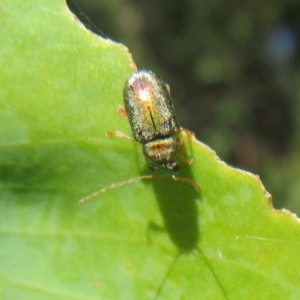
column 60, row 86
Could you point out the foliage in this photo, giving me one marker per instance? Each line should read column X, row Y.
column 60, row 87
column 233, row 68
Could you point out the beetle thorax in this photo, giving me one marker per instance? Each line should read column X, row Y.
column 162, row 153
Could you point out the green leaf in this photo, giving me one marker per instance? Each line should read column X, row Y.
column 60, row 87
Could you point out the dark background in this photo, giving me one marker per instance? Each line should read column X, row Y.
column 233, row 68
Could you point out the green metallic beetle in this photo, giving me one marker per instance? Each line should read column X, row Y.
column 151, row 114
column 150, row 111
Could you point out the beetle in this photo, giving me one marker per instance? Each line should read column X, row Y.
column 150, row 111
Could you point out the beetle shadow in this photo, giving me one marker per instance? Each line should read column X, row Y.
column 177, row 202
column 178, row 207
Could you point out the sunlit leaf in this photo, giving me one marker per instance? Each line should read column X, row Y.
column 60, row 87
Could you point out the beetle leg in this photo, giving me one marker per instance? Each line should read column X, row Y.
column 119, row 134
column 122, row 112
column 188, row 161
column 189, row 133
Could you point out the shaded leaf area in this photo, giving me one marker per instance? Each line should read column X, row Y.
column 159, row 239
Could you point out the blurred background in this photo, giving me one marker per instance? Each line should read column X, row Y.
column 233, row 68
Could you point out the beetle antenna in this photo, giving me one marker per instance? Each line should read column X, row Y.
column 187, row 180
column 115, row 185
column 132, row 180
